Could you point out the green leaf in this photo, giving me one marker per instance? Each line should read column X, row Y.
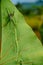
column 20, row 46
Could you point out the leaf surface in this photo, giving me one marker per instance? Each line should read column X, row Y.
column 20, row 46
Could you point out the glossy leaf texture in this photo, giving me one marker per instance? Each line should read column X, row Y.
column 20, row 45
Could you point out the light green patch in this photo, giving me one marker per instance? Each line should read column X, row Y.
column 19, row 43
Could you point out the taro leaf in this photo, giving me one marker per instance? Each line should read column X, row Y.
column 19, row 46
